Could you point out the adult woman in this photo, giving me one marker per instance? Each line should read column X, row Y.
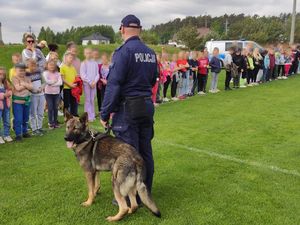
column 31, row 52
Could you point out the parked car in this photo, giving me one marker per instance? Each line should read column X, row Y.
column 224, row 45
column 176, row 44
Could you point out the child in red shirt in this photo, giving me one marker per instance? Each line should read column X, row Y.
column 183, row 65
column 203, row 63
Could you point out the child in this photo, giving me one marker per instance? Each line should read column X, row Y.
column 16, row 58
column 96, row 56
column 37, row 98
column 243, row 80
column 193, row 70
column 101, row 85
column 72, row 48
column 281, row 62
column 52, row 92
column 258, row 66
column 287, row 64
column 89, row 72
column 203, row 63
column 238, row 61
column 228, row 66
column 174, row 77
column 21, row 101
column 183, row 65
column 250, row 68
column 69, row 73
column 155, row 87
column 215, row 64
column 166, row 70
column 271, row 74
column 5, row 94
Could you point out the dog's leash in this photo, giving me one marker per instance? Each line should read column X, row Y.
column 107, row 129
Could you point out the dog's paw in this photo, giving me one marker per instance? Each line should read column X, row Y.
column 110, row 219
column 86, row 203
column 132, row 210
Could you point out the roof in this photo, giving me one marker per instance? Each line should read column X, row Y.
column 96, row 36
column 203, row 32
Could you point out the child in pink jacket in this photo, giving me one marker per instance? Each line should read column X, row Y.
column 5, row 103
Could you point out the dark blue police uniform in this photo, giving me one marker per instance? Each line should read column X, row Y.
column 132, row 75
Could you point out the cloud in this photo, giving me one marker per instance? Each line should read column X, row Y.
column 16, row 16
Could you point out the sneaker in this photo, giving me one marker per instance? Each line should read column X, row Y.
column 166, row 100
column 217, row 90
column 27, row 135
column 51, row 127
column 284, row 78
column 42, row 131
column 279, row 78
column 243, row 86
column 201, row 93
column 56, row 126
column 8, row 139
column 2, row 141
column 175, row 99
column 18, row 138
column 211, row 91
column 59, row 113
column 36, row 133
column 182, row 97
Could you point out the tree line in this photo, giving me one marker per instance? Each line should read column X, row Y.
column 262, row 29
column 75, row 34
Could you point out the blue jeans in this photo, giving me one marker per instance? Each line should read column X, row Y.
column 21, row 118
column 5, row 117
column 52, row 101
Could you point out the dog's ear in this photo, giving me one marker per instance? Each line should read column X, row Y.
column 84, row 118
column 68, row 115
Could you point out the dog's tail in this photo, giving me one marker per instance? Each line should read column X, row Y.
column 144, row 194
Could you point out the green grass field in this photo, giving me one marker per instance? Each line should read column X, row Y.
column 231, row 158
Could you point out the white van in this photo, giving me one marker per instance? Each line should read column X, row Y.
column 226, row 44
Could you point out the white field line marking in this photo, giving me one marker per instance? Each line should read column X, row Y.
column 233, row 159
column 225, row 157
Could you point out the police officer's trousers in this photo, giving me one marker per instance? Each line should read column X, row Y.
column 139, row 135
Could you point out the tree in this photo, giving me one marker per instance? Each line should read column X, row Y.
column 150, row 37
column 189, row 36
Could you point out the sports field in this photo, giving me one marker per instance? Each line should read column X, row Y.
column 230, row 158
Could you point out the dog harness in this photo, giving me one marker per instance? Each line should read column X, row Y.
column 95, row 139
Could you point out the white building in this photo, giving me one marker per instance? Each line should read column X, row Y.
column 95, row 39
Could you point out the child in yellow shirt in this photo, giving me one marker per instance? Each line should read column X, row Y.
column 68, row 74
column 16, row 58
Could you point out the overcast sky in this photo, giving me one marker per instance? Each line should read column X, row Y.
column 16, row 16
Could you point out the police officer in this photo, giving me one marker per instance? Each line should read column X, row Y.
column 132, row 75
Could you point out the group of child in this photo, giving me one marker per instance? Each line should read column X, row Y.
column 186, row 73
column 32, row 87
column 37, row 83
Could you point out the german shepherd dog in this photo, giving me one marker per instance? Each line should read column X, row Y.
column 102, row 152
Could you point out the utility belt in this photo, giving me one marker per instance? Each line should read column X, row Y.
column 136, row 107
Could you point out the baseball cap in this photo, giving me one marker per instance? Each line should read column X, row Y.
column 20, row 66
column 131, row 21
